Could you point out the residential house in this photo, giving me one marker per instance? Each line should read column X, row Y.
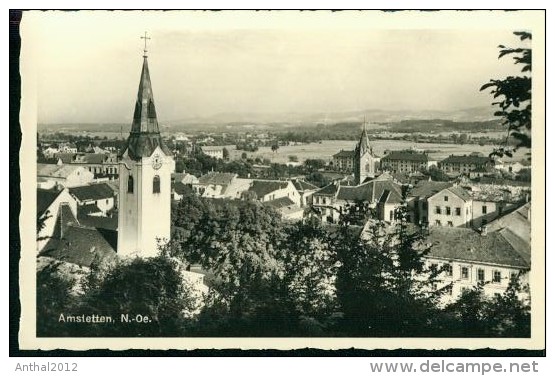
column 64, row 175
column 94, row 199
column 405, row 161
column 417, row 198
column 213, row 151
column 102, row 165
column 48, row 205
column 288, row 209
column 464, row 164
column 451, row 207
column 305, row 189
column 381, row 193
column 213, row 184
column 269, row 190
column 471, row 257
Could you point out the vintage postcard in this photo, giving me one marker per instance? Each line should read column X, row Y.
column 282, row 180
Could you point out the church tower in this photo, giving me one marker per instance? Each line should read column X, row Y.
column 366, row 163
column 145, row 168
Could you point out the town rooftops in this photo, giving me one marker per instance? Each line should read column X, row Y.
column 263, row 187
column 216, row 178
column 467, row 159
column 279, row 203
column 92, row 192
column 345, row 154
column 519, row 221
column 55, row 171
column 406, row 155
column 370, row 191
column 466, row 244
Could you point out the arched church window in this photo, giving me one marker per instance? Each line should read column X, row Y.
column 156, row 184
column 130, row 184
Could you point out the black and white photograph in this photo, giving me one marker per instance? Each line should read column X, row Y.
column 282, row 179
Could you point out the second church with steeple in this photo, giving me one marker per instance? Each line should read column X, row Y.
column 365, row 163
column 145, row 168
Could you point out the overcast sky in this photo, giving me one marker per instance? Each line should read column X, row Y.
column 204, row 63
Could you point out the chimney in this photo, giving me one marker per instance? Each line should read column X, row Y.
column 484, row 230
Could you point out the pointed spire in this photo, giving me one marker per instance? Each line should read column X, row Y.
column 145, row 133
column 364, row 142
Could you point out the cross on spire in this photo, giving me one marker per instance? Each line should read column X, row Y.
column 145, row 38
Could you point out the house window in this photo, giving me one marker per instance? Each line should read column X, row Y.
column 464, row 272
column 514, row 276
column 448, row 210
column 449, row 270
column 458, row 211
column 130, row 184
column 484, row 209
column 438, row 222
column 107, row 200
column 391, row 215
column 445, row 198
column 438, row 210
column 449, row 223
column 481, row 275
column 433, row 266
column 156, row 184
column 496, row 276
column 449, row 290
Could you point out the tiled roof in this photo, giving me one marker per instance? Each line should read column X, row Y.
column 302, row 185
column 89, row 209
column 216, row 178
column 467, row 159
column 66, row 157
column 329, row 190
column 518, row 221
column 55, row 171
column 370, row 191
column 459, row 191
column 406, row 155
column 390, row 197
column 92, row 192
column 98, row 222
column 81, row 246
column 45, row 198
column 425, row 189
column 345, row 154
column 263, row 187
column 468, row 245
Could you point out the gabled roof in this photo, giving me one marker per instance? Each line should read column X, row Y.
column 518, row 221
column 281, row 202
column 92, row 192
column 370, row 191
column 406, row 155
column 216, row 178
column 328, row 190
column 345, row 154
column 56, row 171
column 425, row 189
column 456, row 190
column 66, row 157
column 80, row 245
column 264, row 187
column 468, row 245
column 301, row 185
column 45, row 198
column 98, row 222
column 390, row 197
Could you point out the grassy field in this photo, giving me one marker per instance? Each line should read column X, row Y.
column 326, row 149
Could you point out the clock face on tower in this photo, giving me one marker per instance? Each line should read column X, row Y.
column 156, row 161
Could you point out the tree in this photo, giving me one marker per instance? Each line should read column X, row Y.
column 515, row 98
column 225, row 153
column 243, row 155
column 153, row 288
column 381, row 271
column 275, row 147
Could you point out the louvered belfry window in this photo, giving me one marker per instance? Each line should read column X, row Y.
column 130, row 184
column 156, row 184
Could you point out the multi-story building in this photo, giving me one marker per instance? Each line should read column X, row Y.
column 463, row 164
column 405, row 161
column 450, row 207
column 344, row 161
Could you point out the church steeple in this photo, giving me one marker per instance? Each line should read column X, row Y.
column 145, row 133
column 363, row 145
column 365, row 162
